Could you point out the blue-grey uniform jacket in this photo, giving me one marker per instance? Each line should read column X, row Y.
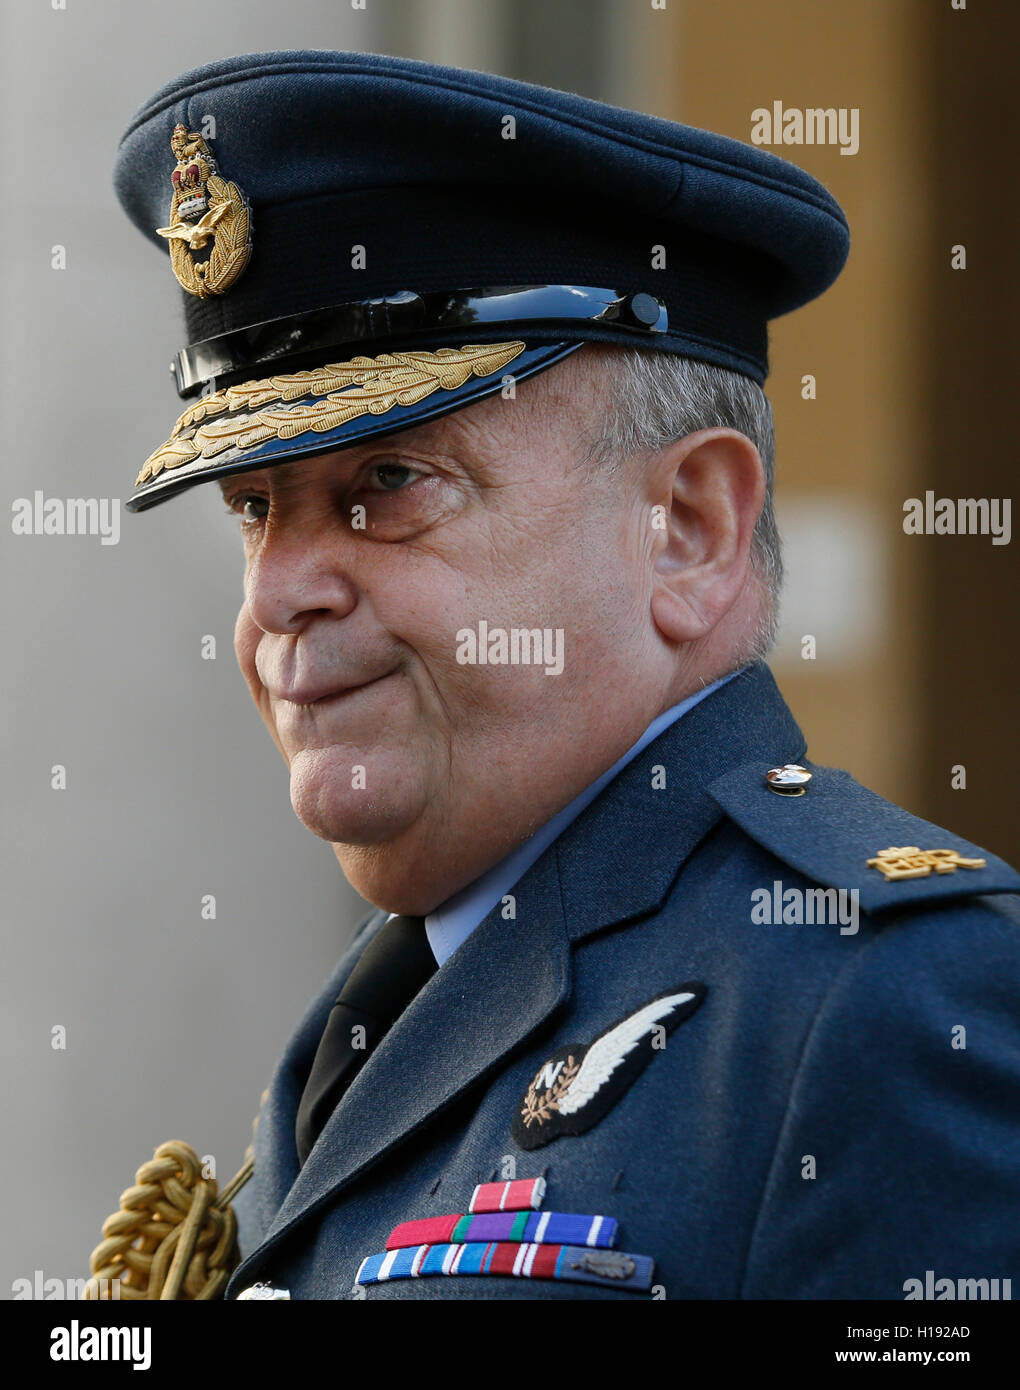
column 838, row 1117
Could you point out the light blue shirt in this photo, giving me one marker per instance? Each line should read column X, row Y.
column 451, row 925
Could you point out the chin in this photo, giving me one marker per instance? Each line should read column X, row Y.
column 326, row 803
column 390, row 878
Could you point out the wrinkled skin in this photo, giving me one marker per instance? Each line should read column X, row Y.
column 362, row 566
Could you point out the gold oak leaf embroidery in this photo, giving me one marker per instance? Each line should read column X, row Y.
column 539, row 1105
column 362, row 386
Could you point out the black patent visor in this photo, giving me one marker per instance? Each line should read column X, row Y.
column 251, row 351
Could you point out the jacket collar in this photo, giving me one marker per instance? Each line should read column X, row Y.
column 619, row 859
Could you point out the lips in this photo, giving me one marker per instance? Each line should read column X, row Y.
column 314, row 693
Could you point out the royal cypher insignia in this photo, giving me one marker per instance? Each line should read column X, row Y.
column 581, row 1082
column 204, row 208
column 908, row 861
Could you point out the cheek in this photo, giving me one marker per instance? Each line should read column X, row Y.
column 246, row 641
column 596, row 597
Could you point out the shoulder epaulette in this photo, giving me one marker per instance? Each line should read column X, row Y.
column 842, row 835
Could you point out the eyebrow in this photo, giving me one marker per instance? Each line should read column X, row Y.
column 445, row 431
column 288, row 471
column 231, row 478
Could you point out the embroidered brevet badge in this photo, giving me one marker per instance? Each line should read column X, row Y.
column 581, row 1082
column 204, row 208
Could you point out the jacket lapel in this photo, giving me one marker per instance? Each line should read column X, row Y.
column 488, row 998
column 276, row 1160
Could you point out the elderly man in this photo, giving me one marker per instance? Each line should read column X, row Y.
column 650, row 1006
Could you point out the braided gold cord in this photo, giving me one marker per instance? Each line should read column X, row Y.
column 172, row 1237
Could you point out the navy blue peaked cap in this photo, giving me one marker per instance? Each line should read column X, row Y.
column 501, row 225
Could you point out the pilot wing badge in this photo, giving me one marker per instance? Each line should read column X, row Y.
column 581, row 1082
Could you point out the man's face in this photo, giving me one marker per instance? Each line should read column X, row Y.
column 363, row 566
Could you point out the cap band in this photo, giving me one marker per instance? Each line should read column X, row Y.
column 406, row 315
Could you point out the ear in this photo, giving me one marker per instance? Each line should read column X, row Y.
column 711, row 486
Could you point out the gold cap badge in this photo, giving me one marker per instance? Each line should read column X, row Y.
column 203, row 207
column 911, row 862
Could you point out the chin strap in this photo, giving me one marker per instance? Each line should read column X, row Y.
column 174, row 1236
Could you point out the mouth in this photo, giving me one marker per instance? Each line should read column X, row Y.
column 310, row 696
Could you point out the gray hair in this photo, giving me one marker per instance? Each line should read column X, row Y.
column 654, row 398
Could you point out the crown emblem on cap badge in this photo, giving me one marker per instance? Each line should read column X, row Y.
column 205, row 207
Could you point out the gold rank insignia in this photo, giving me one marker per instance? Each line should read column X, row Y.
column 911, row 862
column 205, row 207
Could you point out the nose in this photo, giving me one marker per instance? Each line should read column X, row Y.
column 298, row 574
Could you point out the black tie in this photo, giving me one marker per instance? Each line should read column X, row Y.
column 392, row 969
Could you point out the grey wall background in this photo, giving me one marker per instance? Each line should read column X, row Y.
column 173, row 1023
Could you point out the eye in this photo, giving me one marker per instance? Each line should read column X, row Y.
column 248, row 506
column 391, row 477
